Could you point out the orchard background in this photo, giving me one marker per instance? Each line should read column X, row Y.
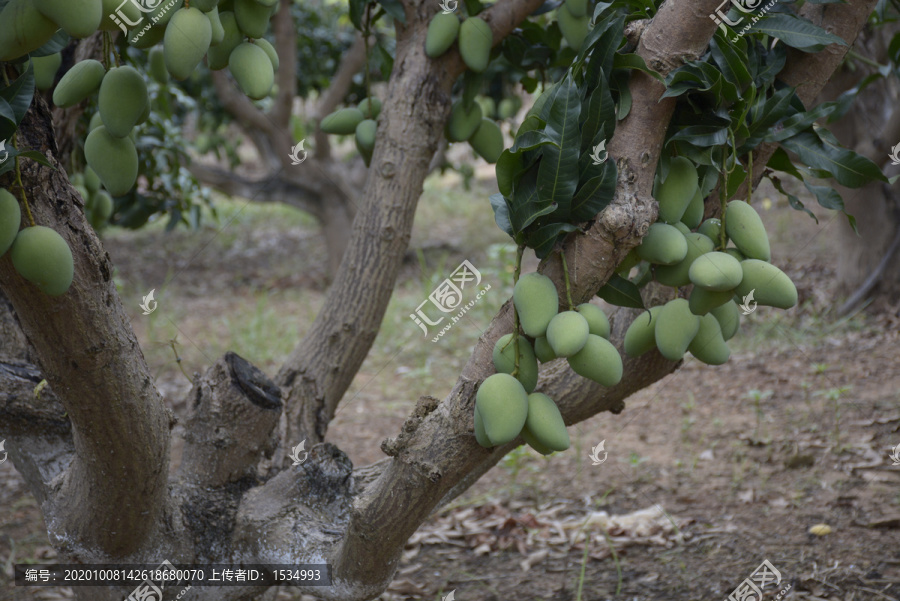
column 305, row 261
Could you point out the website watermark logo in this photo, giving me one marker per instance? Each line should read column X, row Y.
column 720, row 16
column 895, row 454
column 751, row 588
column 746, row 308
column 151, row 588
column 295, row 453
column 600, row 155
column 295, row 153
column 449, row 7
column 451, row 596
column 120, row 16
column 3, row 152
column 2, row 450
column 895, row 160
column 448, row 298
column 149, row 305
column 595, row 454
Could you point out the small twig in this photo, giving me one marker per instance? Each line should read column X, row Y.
column 562, row 256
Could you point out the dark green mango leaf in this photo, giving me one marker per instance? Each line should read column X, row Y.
column 793, row 125
column 634, row 61
column 543, row 239
column 357, row 7
column 731, row 61
column 394, row 8
column 20, row 93
column 59, row 41
column 558, row 171
column 501, row 213
column 796, row 32
column 780, row 161
column 703, row 135
column 619, row 82
column 526, row 204
column 792, row 200
column 8, row 124
column 600, row 121
column 596, row 194
column 847, row 167
column 622, row 293
column 827, row 196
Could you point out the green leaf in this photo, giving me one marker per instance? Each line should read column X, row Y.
column 622, row 293
column 732, row 63
column 621, row 84
column 596, row 194
column 793, row 200
column 634, row 61
column 526, row 204
column 703, row 135
column 8, row 124
column 56, row 44
column 395, row 9
column 780, row 161
column 601, row 117
column 797, row 123
column 544, row 238
column 796, row 32
column 558, row 171
column 827, row 196
column 20, row 93
column 357, row 8
column 847, row 167
column 501, row 213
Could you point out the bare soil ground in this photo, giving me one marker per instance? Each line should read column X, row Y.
column 733, row 464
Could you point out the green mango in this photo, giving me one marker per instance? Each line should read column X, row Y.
column 123, row 99
column 217, row 57
column 45, row 68
column 703, row 301
column 675, row 193
column 252, row 70
column 95, row 122
column 102, row 208
column 270, row 52
column 681, row 227
column 640, row 336
column 462, row 125
column 675, row 328
column 342, row 122
column 475, row 42
column 567, row 333
column 187, row 41
column 598, row 361
column 114, row 159
column 663, row 245
column 142, row 38
column 679, row 274
column 545, row 423
column 218, row 33
column 598, row 322
column 502, row 404
column 480, row 435
column 534, row 443
column 574, row 29
column 208, row 5
column 442, row 32
column 10, row 220
column 693, row 215
column 370, row 108
column 116, row 9
column 507, row 108
column 735, row 253
column 488, row 106
column 745, row 228
column 23, row 29
column 78, row 18
column 79, row 82
column 716, row 271
column 487, row 141
column 365, row 139
column 91, row 181
column 770, row 285
column 711, row 228
column 252, row 17
column 729, row 317
column 543, row 350
column 708, row 345
column 158, row 66
column 577, row 8
column 41, row 256
column 505, row 362
column 536, row 302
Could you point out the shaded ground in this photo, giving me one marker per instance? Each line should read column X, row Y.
column 794, row 431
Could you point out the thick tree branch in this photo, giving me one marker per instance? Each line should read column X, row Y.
column 286, row 78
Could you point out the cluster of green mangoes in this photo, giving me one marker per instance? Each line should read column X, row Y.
column 475, row 39
column 720, row 276
column 467, row 124
column 98, row 204
column 506, row 405
column 38, row 253
column 360, row 120
column 574, row 21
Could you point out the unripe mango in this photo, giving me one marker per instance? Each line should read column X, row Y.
column 475, row 42
column 252, row 70
column 507, row 108
column 112, row 7
column 45, row 68
column 678, row 275
column 158, row 66
column 78, row 18
column 462, row 125
column 10, row 220
column 745, row 228
column 42, row 257
column 681, row 227
column 218, row 31
column 729, row 317
column 567, row 333
column 663, row 245
column 598, row 361
column 598, row 322
column 574, row 29
column 95, row 122
column 542, row 350
column 545, row 423
column 252, row 17
column 342, row 122
column 270, row 52
column 503, row 405
column 101, row 209
column 91, row 181
column 577, row 8
column 114, row 159
column 123, row 99
column 771, row 285
column 693, row 215
column 534, row 443
column 536, row 301
column 146, row 38
column 79, row 82
column 711, row 228
column 480, row 435
column 487, row 141
column 488, row 106
column 23, row 29
column 703, row 301
column 735, row 253
column 716, row 271
column 442, row 32
column 675, row 328
column 640, row 336
column 505, row 362
column 186, row 42
column 365, row 139
column 708, row 345
column 217, row 57
column 370, row 108
column 208, row 5
column 675, row 193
